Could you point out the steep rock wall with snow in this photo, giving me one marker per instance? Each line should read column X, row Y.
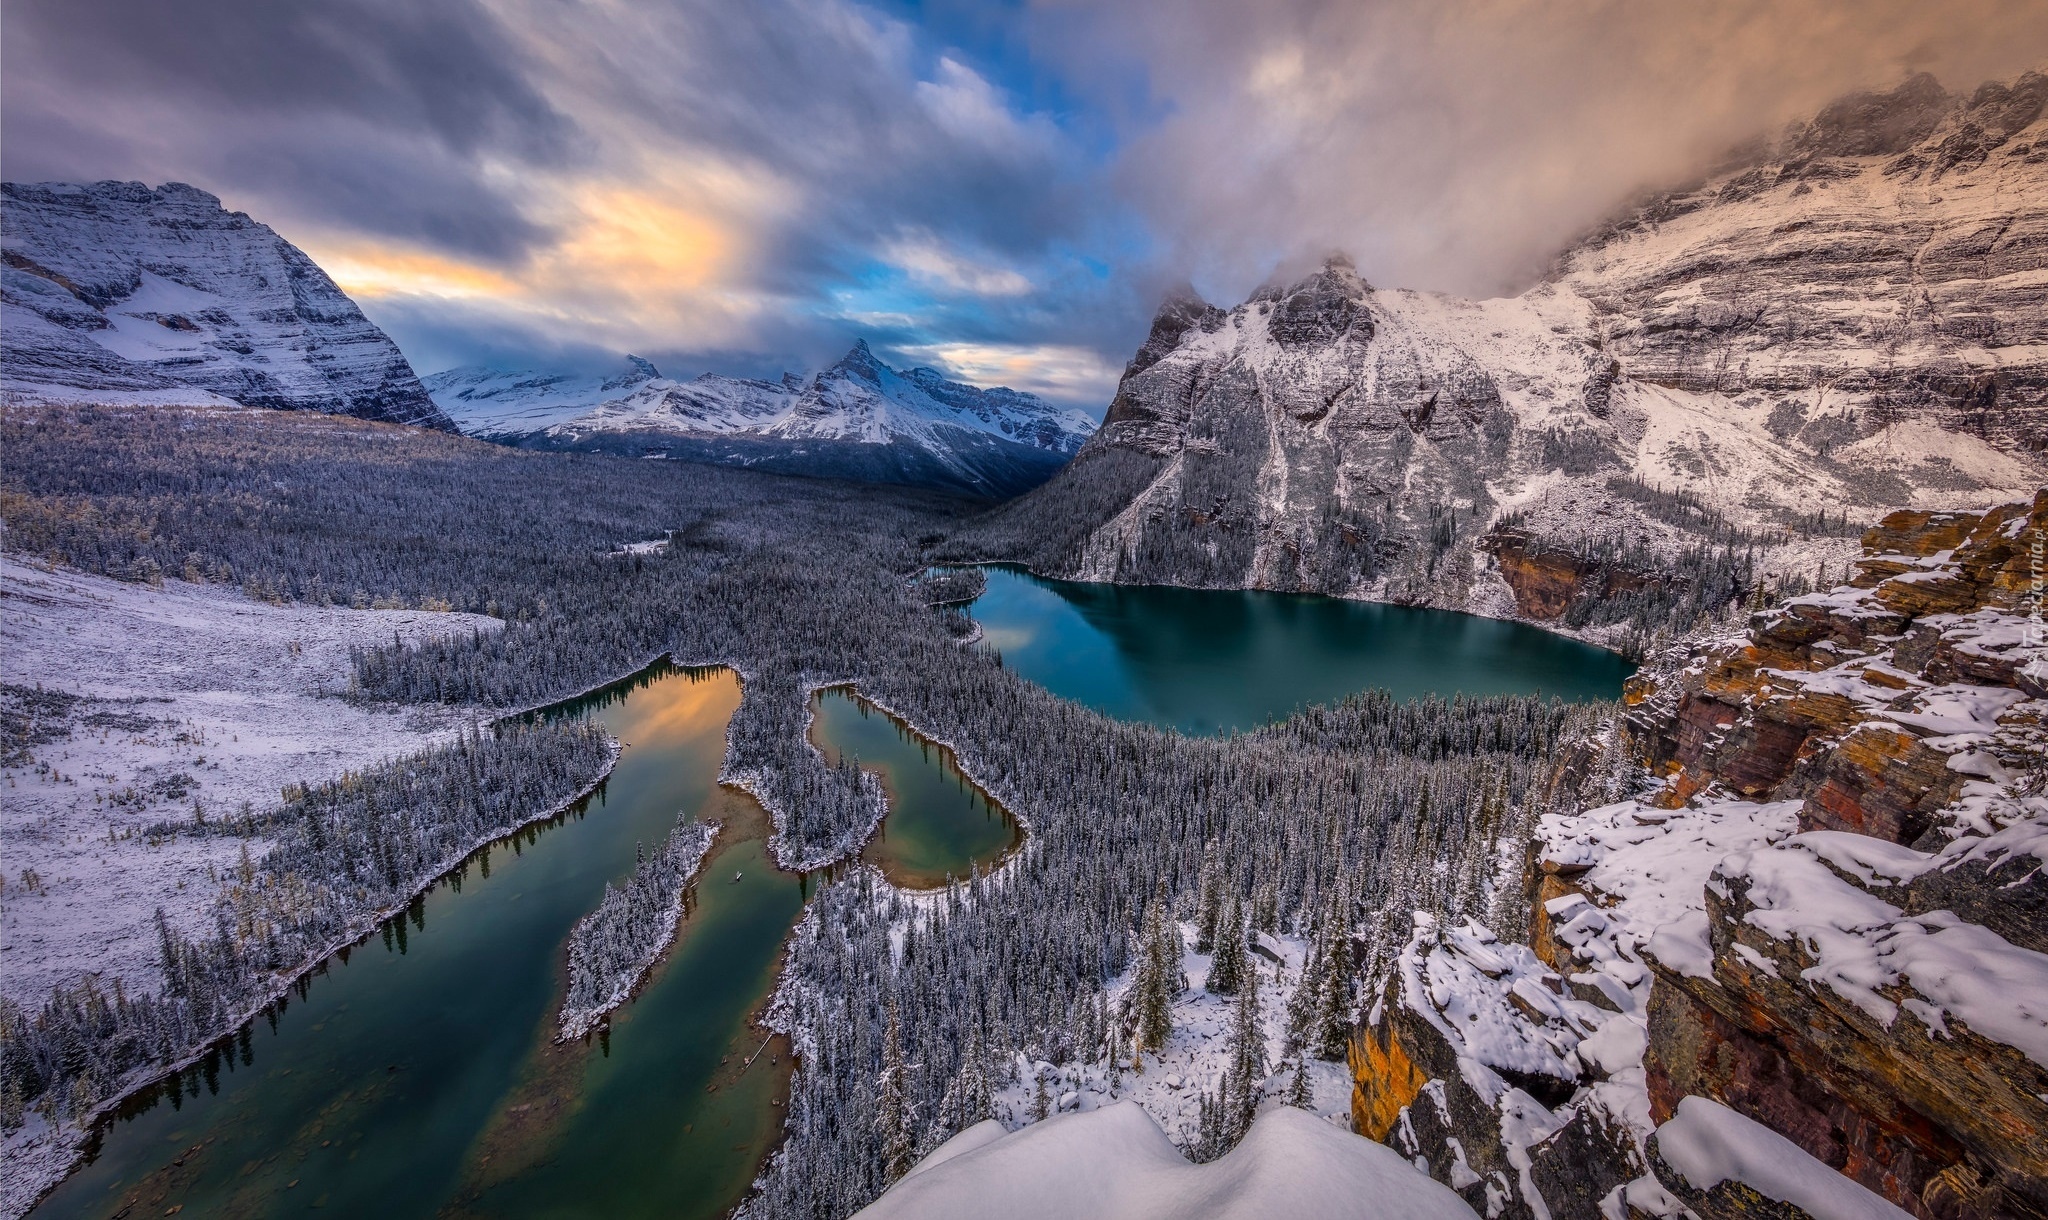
column 1855, row 321
column 1804, row 970
column 117, row 293
column 1885, row 261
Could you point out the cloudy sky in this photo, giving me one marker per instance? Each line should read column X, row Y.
column 998, row 189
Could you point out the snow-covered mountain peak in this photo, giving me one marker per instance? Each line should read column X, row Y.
column 914, row 426
column 859, row 362
column 1874, row 124
column 117, row 292
column 1855, row 319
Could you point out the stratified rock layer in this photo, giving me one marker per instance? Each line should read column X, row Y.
column 1875, row 988
column 1891, row 252
column 117, row 293
column 1817, row 927
column 1857, row 321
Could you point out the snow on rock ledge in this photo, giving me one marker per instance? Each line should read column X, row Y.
column 1116, row 1164
column 1870, row 978
column 1710, row 1150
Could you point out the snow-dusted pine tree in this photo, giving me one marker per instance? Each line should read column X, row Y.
column 1302, row 1093
column 893, row 1116
column 1227, row 968
column 1209, row 904
column 1247, row 1070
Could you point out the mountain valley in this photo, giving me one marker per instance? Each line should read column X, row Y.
column 1578, row 755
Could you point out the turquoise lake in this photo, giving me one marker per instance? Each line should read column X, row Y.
column 1207, row 661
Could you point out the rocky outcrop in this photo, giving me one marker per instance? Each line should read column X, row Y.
column 1854, row 320
column 1851, row 700
column 1872, row 985
column 1480, row 1066
column 117, row 293
column 1803, row 970
column 1931, row 1114
column 1547, row 579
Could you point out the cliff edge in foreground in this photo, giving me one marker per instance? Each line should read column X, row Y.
column 1804, row 970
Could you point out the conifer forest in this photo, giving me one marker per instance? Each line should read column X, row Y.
column 1308, row 826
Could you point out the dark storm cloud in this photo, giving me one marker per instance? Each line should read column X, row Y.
column 879, row 134
column 1459, row 144
column 373, row 114
column 747, row 183
column 444, row 68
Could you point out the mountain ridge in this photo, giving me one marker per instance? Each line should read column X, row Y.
column 1665, row 412
column 117, row 292
column 857, row 418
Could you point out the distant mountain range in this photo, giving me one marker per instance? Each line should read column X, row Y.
column 1854, row 318
column 1853, row 321
column 858, row 419
column 117, row 293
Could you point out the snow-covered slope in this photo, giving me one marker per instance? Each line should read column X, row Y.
column 1857, row 322
column 1887, row 261
column 117, row 293
column 857, row 419
column 215, row 701
column 1116, row 1164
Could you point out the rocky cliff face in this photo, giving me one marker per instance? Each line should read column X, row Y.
column 1882, row 264
column 117, row 293
column 1807, row 962
column 1853, row 321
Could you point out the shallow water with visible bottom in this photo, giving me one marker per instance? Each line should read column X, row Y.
column 937, row 818
column 417, row 1075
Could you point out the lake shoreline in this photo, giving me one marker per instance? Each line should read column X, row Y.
column 1576, row 636
column 912, row 883
column 83, row 1147
column 1218, row 662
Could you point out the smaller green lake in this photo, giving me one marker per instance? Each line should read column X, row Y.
column 416, row 1074
column 938, row 818
column 1207, row 661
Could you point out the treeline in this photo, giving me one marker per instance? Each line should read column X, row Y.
column 329, row 510
column 952, row 586
column 344, row 855
column 1337, row 822
column 1390, row 806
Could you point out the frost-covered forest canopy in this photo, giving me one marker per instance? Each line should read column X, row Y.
column 1315, row 826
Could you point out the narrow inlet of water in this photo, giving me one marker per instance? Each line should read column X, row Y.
column 416, row 1075
column 940, row 822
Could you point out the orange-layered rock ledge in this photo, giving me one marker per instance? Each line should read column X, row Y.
column 1823, row 909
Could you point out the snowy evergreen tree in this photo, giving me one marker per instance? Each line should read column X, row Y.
column 1247, row 1067
column 1159, row 979
column 895, row 1116
column 1302, row 1093
column 1319, row 1012
column 1383, row 803
column 1209, row 904
column 1227, row 969
column 1265, row 915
